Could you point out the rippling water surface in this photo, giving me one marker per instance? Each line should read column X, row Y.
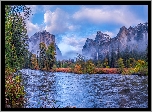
column 46, row 89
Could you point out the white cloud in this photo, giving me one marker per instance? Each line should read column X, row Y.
column 111, row 34
column 73, row 27
column 34, row 8
column 47, row 7
column 92, row 36
column 32, row 28
column 56, row 22
column 73, row 41
column 106, row 15
column 71, row 44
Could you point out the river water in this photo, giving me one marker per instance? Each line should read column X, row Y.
column 47, row 90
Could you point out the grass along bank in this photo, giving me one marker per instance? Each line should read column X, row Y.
column 126, row 71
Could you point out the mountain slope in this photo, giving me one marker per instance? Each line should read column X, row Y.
column 133, row 38
column 45, row 37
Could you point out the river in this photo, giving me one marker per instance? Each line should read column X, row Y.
column 47, row 90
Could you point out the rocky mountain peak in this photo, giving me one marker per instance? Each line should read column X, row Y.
column 130, row 28
column 123, row 28
column 101, row 38
column 133, row 38
column 100, row 35
column 122, row 32
column 45, row 37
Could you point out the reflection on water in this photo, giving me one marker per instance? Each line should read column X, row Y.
column 45, row 89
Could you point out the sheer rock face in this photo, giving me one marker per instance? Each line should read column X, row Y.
column 45, row 37
column 133, row 38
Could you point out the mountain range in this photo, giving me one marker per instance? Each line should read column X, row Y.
column 132, row 38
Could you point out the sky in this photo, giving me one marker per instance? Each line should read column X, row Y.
column 73, row 24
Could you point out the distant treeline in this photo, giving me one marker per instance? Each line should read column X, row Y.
column 136, row 63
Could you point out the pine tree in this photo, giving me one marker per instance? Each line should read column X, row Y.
column 34, row 62
column 15, row 53
column 16, row 35
column 120, row 65
column 112, row 61
column 105, row 64
column 42, row 56
column 80, row 60
column 50, row 55
column 126, row 56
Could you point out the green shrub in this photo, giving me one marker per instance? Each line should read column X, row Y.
column 90, row 67
column 120, row 65
column 141, row 67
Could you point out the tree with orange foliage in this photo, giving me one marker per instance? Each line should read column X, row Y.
column 78, row 69
column 34, row 62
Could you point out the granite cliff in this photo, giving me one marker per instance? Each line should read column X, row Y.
column 133, row 39
column 45, row 37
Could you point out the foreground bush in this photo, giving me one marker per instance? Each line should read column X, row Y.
column 141, row 68
column 14, row 91
column 77, row 69
column 90, row 67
